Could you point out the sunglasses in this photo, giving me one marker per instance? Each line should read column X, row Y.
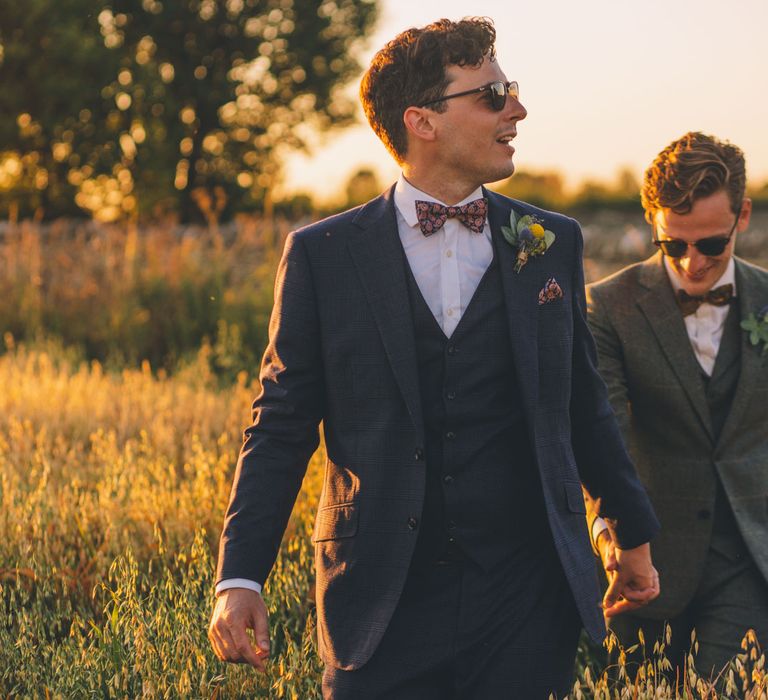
column 497, row 93
column 711, row 247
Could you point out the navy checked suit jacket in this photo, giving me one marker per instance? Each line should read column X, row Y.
column 342, row 351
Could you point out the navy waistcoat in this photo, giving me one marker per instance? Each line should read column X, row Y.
column 483, row 492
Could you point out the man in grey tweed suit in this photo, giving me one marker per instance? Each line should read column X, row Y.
column 690, row 393
column 461, row 410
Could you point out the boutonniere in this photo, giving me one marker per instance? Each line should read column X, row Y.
column 527, row 235
column 756, row 324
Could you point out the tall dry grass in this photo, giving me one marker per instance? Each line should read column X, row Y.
column 112, row 493
column 121, row 414
column 125, row 295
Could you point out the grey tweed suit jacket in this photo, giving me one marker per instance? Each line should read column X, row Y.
column 655, row 388
column 342, row 351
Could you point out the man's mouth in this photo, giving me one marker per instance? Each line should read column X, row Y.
column 506, row 141
column 696, row 276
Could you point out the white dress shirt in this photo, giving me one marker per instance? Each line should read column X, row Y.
column 705, row 327
column 705, row 331
column 447, row 266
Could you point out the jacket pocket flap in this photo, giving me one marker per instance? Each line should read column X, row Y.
column 336, row 522
column 575, row 497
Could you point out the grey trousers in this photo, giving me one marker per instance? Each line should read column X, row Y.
column 731, row 599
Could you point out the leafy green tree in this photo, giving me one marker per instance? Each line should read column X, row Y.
column 52, row 65
column 189, row 103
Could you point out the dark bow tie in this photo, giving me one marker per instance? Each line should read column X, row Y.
column 720, row 296
column 432, row 215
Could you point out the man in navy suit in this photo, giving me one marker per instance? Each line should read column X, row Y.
column 455, row 378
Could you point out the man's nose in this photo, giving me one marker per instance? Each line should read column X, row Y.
column 516, row 109
column 693, row 260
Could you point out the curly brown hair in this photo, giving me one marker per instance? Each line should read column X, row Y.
column 410, row 70
column 693, row 167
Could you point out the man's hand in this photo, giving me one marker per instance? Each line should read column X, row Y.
column 239, row 609
column 632, row 579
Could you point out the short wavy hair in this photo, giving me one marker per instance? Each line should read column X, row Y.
column 410, row 70
column 693, row 167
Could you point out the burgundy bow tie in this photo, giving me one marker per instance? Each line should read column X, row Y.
column 720, row 296
column 432, row 215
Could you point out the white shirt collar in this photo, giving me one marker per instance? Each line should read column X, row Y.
column 728, row 277
column 406, row 195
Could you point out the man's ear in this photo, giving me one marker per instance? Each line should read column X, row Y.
column 418, row 123
column 746, row 211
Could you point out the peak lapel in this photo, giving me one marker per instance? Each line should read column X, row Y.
column 520, row 298
column 751, row 298
column 660, row 308
column 378, row 256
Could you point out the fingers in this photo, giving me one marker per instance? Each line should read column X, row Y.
column 621, row 606
column 235, row 612
column 623, row 595
column 613, row 593
column 261, row 632
column 244, row 651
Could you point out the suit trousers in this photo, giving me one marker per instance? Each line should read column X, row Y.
column 731, row 599
column 461, row 633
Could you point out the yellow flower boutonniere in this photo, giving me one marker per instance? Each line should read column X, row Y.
column 528, row 235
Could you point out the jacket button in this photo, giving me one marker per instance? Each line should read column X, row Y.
column 447, row 479
column 413, row 523
column 451, row 395
column 704, row 514
column 452, row 350
column 419, row 454
column 450, row 435
column 451, row 525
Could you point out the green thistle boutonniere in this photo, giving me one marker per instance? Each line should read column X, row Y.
column 527, row 235
column 757, row 327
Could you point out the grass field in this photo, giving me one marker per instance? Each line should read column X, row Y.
column 114, row 477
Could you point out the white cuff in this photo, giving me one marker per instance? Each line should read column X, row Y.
column 598, row 525
column 238, row 583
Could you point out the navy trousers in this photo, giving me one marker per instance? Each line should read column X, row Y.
column 461, row 633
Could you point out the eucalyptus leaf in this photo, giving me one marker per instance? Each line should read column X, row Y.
column 510, row 235
column 549, row 238
column 527, row 220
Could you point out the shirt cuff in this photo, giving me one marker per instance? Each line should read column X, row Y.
column 598, row 525
column 238, row 583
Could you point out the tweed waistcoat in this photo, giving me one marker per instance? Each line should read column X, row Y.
column 483, row 490
column 720, row 389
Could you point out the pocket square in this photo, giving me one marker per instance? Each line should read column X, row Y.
column 551, row 292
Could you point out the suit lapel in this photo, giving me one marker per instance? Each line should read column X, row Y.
column 751, row 361
column 660, row 309
column 378, row 256
column 520, row 295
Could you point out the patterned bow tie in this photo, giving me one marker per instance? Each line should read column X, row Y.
column 719, row 296
column 432, row 215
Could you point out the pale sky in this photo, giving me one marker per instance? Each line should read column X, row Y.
column 607, row 84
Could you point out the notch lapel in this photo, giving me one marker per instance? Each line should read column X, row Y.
column 660, row 309
column 520, row 297
column 752, row 364
column 378, row 256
